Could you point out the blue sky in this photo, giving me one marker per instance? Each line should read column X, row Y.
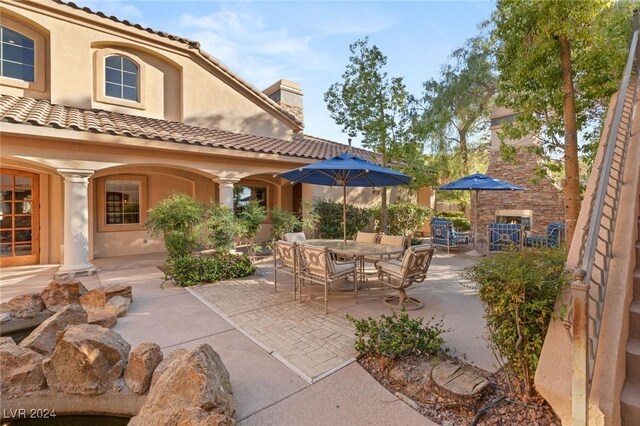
column 308, row 41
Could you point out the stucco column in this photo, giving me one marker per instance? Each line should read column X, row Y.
column 76, row 222
column 225, row 186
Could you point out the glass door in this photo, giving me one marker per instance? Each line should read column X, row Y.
column 19, row 221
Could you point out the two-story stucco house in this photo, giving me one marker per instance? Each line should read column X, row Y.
column 100, row 119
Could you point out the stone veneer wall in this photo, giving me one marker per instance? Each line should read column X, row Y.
column 541, row 195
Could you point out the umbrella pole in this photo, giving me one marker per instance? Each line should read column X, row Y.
column 474, row 252
column 344, row 212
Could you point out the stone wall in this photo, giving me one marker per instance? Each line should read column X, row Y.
column 541, row 195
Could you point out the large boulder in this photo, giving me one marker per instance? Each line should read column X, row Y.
column 43, row 338
column 103, row 319
column 60, row 293
column 166, row 363
column 143, row 361
column 97, row 298
column 88, row 360
column 117, row 306
column 193, row 389
column 21, row 370
column 24, row 306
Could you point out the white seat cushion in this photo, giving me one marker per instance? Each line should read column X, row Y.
column 391, row 267
column 342, row 268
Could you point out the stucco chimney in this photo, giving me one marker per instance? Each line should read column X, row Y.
column 288, row 95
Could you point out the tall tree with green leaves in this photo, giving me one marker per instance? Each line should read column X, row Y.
column 370, row 104
column 453, row 114
column 559, row 63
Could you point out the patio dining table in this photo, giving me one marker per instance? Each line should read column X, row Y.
column 356, row 249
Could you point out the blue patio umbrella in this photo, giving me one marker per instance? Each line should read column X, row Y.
column 479, row 182
column 346, row 170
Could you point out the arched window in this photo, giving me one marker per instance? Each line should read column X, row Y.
column 17, row 56
column 121, row 78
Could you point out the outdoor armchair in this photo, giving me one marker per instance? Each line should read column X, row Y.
column 320, row 268
column 444, row 234
column 401, row 274
column 553, row 238
column 505, row 236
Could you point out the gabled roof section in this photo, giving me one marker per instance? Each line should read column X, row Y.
column 36, row 112
column 193, row 46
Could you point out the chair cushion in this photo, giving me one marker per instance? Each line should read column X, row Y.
column 342, row 268
column 294, row 237
column 391, row 267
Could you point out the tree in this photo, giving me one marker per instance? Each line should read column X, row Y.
column 370, row 104
column 559, row 64
column 454, row 110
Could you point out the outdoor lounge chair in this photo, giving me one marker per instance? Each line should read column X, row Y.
column 505, row 236
column 443, row 233
column 554, row 237
column 294, row 237
column 320, row 268
column 403, row 273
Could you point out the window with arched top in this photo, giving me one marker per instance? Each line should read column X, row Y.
column 121, row 78
column 17, row 55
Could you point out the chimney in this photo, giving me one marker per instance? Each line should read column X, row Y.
column 288, row 95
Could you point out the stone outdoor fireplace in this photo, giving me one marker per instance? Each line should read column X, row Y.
column 538, row 205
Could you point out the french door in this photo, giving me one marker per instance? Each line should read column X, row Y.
column 19, row 218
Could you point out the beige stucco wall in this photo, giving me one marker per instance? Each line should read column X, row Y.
column 178, row 84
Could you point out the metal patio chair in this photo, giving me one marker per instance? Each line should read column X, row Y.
column 401, row 274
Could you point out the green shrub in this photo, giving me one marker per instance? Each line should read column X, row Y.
column 250, row 218
column 519, row 291
column 395, row 336
column 330, row 219
column 221, row 227
column 405, row 218
column 190, row 270
column 178, row 218
column 282, row 222
column 449, row 214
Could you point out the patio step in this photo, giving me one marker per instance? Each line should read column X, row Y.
column 633, row 359
column 634, row 319
column 630, row 403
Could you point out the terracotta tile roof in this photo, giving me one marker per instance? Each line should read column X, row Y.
column 37, row 112
column 184, row 40
column 192, row 44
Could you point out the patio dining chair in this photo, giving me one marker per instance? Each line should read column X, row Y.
column 285, row 259
column 294, row 237
column 366, row 237
column 392, row 240
column 505, row 236
column 553, row 238
column 320, row 268
column 401, row 274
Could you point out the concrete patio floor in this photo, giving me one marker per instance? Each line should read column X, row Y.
column 266, row 390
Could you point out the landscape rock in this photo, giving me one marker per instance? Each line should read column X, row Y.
column 88, row 359
column 21, row 370
column 60, row 293
column 24, row 306
column 457, row 381
column 97, row 298
column 103, row 319
column 166, row 362
column 43, row 338
column 143, row 361
column 7, row 340
column 117, row 306
column 192, row 389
